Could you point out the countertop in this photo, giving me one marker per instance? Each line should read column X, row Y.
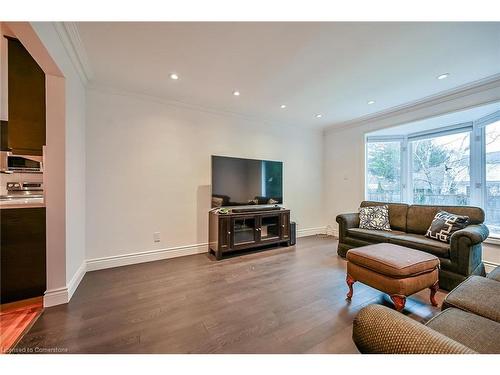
column 22, row 203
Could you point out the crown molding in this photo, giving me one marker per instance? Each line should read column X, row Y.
column 429, row 101
column 93, row 86
column 70, row 38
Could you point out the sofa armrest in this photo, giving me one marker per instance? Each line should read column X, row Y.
column 380, row 330
column 347, row 221
column 466, row 249
column 474, row 233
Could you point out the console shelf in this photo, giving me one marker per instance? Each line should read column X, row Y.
column 246, row 230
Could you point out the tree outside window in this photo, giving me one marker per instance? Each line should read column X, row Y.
column 384, row 171
column 441, row 170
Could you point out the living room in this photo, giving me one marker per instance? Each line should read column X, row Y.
column 283, row 187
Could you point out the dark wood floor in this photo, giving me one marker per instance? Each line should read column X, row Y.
column 285, row 300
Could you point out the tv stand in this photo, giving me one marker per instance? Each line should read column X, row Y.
column 247, row 230
column 255, row 208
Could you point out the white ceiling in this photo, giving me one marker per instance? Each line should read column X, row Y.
column 328, row 68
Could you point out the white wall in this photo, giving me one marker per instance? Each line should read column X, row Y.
column 74, row 148
column 344, row 152
column 148, row 170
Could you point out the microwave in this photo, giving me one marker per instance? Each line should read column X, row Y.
column 10, row 163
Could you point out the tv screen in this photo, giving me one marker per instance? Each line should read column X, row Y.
column 242, row 182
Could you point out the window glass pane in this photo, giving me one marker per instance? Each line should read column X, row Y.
column 383, row 171
column 492, row 201
column 441, row 170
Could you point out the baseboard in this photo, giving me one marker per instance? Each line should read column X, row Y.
column 55, row 297
column 490, row 266
column 173, row 252
column 145, row 256
column 76, row 279
column 311, row 231
column 63, row 295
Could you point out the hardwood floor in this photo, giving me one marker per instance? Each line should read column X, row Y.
column 284, row 300
column 15, row 319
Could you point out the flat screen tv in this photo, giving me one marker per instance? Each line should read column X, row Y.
column 242, row 182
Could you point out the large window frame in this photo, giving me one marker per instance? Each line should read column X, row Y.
column 477, row 156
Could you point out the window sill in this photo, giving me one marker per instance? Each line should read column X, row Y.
column 493, row 240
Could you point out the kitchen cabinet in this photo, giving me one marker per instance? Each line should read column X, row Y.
column 22, row 253
column 26, row 102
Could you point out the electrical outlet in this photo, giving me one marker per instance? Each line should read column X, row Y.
column 156, row 236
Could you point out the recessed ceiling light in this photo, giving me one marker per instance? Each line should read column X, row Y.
column 174, row 76
column 443, row 76
column 371, row 102
column 283, row 106
column 236, row 93
column 319, row 115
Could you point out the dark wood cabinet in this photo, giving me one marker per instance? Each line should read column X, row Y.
column 247, row 230
column 22, row 253
column 285, row 225
column 25, row 128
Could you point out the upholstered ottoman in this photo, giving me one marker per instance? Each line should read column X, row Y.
column 393, row 269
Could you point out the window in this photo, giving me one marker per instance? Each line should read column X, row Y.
column 492, row 174
column 456, row 165
column 440, row 173
column 383, row 171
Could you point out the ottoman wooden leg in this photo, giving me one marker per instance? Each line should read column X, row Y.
column 434, row 289
column 399, row 302
column 349, row 280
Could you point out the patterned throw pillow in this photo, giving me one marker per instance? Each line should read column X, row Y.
column 444, row 225
column 375, row 217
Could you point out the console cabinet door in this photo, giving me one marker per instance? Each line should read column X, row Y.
column 244, row 231
column 285, row 226
column 224, row 234
column 270, row 227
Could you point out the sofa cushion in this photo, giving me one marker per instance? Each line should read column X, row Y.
column 397, row 213
column 419, row 242
column 392, row 260
column 478, row 295
column 357, row 242
column 419, row 217
column 372, row 235
column 495, row 274
column 480, row 334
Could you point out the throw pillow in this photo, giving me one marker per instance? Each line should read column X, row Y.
column 375, row 217
column 444, row 225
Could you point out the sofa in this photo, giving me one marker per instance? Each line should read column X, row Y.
column 468, row 323
column 459, row 259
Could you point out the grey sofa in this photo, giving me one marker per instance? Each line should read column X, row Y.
column 468, row 323
column 459, row 259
